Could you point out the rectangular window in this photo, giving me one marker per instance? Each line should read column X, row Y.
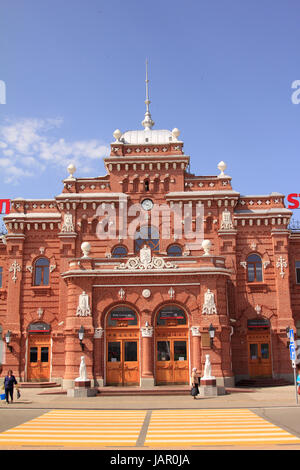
column 1, row 274
column 253, row 351
column 297, row 272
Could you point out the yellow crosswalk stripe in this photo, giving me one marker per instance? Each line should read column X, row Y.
column 186, row 428
column 67, row 428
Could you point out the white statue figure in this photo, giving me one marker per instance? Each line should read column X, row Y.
column 68, row 223
column 226, row 220
column 82, row 371
column 83, row 309
column 209, row 306
column 207, row 368
column 145, row 255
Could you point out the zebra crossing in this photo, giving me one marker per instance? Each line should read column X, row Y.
column 195, row 428
column 161, row 429
column 78, row 428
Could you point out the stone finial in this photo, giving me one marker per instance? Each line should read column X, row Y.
column 222, row 167
column 117, row 134
column 71, row 170
column 175, row 133
column 85, row 248
column 206, row 245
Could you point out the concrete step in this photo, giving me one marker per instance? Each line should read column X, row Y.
column 38, row 384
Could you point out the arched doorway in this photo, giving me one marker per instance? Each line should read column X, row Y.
column 171, row 346
column 259, row 348
column 122, row 347
column 38, row 352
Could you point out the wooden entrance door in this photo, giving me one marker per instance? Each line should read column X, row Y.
column 259, row 354
column 172, row 360
column 38, row 361
column 122, row 363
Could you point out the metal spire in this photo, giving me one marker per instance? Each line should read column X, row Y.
column 147, row 122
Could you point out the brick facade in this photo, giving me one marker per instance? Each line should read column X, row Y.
column 236, row 225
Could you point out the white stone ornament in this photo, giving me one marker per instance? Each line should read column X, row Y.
column 68, row 223
column 281, row 263
column 71, row 170
column 85, row 248
column 98, row 333
column 145, row 262
column 195, row 330
column 209, row 306
column 83, row 309
column 15, row 267
column 226, row 223
column 147, row 331
column 206, row 245
column 117, row 134
column 82, row 371
column 222, row 167
column 207, row 368
column 146, row 293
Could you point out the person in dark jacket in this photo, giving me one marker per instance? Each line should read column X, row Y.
column 9, row 383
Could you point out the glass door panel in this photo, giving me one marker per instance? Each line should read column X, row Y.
column 114, row 351
column 180, row 353
column 130, row 351
column 163, row 351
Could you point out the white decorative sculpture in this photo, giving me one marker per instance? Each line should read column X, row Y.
column 206, row 245
column 71, row 170
column 146, row 261
column 85, row 248
column 226, row 220
column 82, row 371
column 83, row 309
column 68, row 223
column 207, row 368
column 209, row 306
column 222, row 167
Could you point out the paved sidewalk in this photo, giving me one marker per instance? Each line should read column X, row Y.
column 240, row 398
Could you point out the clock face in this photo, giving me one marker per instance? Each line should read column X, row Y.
column 147, row 204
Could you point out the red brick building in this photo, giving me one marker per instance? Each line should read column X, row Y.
column 146, row 299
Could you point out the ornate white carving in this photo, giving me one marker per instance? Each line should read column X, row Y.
column 29, row 268
column 82, row 371
column 83, row 309
column 121, row 293
column 281, row 263
column 3, row 238
column 258, row 309
column 146, row 293
column 266, row 264
column 15, row 267
column 40, row 312
column 209, row 306
column 226, row 220
column 171, row 293
column 145, row 261
column 244, row 264
column 85, row 248
column 206, row 245
column 195, row 330
column 98, row 333
column 68, row 223
column 147, row 331
column 52, row 267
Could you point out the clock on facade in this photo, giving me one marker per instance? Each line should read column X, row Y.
column 147, row 204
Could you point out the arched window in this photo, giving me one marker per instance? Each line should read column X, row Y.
column 147, row 236
column 41, row 272
column 146, row 185
column 254, row 268
column 171, row 313
column 174, row 250
column 122, row 314
column 119, row 251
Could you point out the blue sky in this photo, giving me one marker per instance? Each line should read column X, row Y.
column 220, row 70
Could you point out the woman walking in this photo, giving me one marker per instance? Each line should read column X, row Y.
column 9, row 383
column 195, row 389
